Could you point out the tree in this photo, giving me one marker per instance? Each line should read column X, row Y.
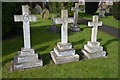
column 9, row 27
column 116, row 10
column 91, row 7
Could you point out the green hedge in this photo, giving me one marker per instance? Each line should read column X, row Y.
column 91, row 7
column 116, row 10
column 9, row 27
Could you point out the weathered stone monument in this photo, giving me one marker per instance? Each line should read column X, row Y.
column 53, row 27
column 63, row 52
column 45, row 14
column 102, row 9
column 75, row 27
column 93, row 48
column 82, row 5
column 27, row 57
column 109, row 4
column 38, row 9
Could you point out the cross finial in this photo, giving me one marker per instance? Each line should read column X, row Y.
column 95, row 18
column 64, row 14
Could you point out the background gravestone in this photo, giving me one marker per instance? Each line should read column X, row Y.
column 38, row 9
column 102, row 9
column 53, row 27
column 45, row 14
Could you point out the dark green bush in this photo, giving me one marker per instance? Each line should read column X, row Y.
column 116, row 10
column 9, row 27
column 91, row 7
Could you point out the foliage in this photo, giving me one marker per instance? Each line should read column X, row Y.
column 9, row 9
column 91, row 7
column 116, row 10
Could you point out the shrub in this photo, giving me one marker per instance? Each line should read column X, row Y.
column 116, row 10
column 91, row 7
column 9, row 9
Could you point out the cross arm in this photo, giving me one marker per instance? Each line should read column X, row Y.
column 75, row 9
column 32, row 18
column 18, row 18
column 58, row 20
column 95, row 23
column 70, row 20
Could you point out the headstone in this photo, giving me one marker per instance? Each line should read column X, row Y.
column 53, row 27
column 45, row 14
column 38, row 9
column 102, row 9
column 93, row 48
column 82, row 5
column 109, row 7
column 27, row 57
column 81, row 2
column 63, row 52
column 75, row 27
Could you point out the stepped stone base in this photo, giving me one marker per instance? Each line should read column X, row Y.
column 75, row 28
column 93, row 50
column 25, row 60
column 64, row 53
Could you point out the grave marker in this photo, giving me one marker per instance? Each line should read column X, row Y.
column 93, row 48
column 75, row 27
column 63, row 52
column 27, row 57
column 38, row 9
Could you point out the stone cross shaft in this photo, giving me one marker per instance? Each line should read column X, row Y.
column 76, row 9
column 64, row 20
column 95, row 25
column 26, row 19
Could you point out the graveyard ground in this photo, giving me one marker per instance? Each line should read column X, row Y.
column 43, row 42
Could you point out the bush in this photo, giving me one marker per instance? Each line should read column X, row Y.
column 91, row 7
column 10, row 27
column 116, row 10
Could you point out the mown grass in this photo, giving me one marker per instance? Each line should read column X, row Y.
column 43, row 42
column 108, row 20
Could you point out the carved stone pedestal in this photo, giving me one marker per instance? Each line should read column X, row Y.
column 93, row 50
column 64, row 53
column 26, row 59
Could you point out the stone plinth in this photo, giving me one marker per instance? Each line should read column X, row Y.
column 64, row 53
column 54, row 29
column 26, row 59
column 75, row 28
column 93, row 50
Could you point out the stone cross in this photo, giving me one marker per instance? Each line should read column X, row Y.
column 76, row 9
column 95, row 25
column 64, row 20
column 26, row 19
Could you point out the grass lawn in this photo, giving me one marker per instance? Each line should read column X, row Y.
column 43, row 42
column 108, row 20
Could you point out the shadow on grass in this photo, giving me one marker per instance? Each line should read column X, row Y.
column 42, row 49
column 107, row 43
column 99, row 39
column 46, row 58
column 6, row 61
column 78, row 42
